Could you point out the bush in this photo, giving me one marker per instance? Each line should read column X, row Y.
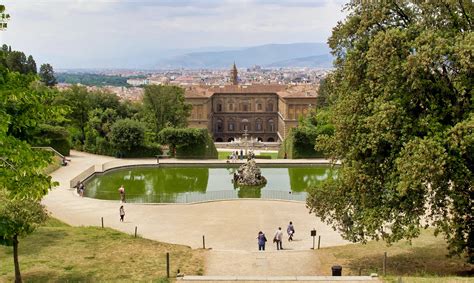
column 300, row 143
column 127, row 134
column 189, row 143
column 151, row 150
column 54, row 136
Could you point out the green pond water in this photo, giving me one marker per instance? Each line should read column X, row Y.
column 193, row 184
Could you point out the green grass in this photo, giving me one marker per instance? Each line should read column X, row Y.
column 57, row 252
column 425, row 257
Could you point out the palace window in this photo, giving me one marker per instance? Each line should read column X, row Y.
column 271, row 125
column 219, row 127
column 219, row 107
column 259, row 106
column 270, row 107
column 231, row 125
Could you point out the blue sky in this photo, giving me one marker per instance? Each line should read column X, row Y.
column 130, row 33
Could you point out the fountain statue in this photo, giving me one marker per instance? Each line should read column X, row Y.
column 249, row 174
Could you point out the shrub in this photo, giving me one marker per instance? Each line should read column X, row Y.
column 189, row 143
column 127, row 134
column 54, row 136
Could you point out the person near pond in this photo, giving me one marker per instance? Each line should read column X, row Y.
column 80, row 188
column 261, row 241
column 241, row 154
column 277, row 239
column 122, row 193
column 122, row 213
column 291, row 231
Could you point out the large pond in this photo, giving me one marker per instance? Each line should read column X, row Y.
column 194, row 184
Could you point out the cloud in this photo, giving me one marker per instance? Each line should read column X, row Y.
column 88, row 33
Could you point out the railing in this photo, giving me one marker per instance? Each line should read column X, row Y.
column 48, row 148
column 195, row 197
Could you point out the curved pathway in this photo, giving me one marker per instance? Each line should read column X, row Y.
column 230, row 227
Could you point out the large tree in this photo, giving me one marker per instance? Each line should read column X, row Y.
column 404, row 123
column 46, row 74
column 23, row 106
column 165, row 107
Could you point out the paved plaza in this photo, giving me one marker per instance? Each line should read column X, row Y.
column 230, row 227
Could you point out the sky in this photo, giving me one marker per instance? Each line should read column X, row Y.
column 133, row 33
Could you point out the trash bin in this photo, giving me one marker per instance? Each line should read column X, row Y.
column 336, row 270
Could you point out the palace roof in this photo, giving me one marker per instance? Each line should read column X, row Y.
column 286, row 91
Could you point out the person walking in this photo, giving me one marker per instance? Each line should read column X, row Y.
column 291, row 231
column 261, row 241
column 277, row 238
column 122, row 194
column 122, row 213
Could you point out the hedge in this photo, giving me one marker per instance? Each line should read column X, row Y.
column 189, row 143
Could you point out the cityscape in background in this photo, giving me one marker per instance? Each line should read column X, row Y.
column 133, row 81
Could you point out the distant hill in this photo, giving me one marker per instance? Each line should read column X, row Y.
column 318, row 61
column 284, row 55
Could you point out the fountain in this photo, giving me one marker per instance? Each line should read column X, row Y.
column 249, row 174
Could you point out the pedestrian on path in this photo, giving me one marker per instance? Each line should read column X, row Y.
column 122, row 194
column 122, row 213
column 261, row 241
column 277, row 238
column 291, row 231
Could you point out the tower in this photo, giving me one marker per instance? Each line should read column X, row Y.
column 233, row 75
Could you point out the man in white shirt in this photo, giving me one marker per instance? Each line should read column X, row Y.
column 278, row 238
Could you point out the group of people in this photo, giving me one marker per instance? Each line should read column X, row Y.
column 277, row 238
column 121, row 191
column 80, row 188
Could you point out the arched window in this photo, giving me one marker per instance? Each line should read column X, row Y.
column 219, row 107
column 259, row 139
column 270, row 106
column 230, row 140
column 231, row 125
column 219, row 140
column 258, row 125
column 230, row 105
column 271, row 125
column 219, row 126
column 271, row 140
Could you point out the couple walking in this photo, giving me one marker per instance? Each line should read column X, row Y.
column 278, row 238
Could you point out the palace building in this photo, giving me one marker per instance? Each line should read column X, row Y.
column 265, row 112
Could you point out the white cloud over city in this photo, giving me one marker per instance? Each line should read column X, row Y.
column 108, row 33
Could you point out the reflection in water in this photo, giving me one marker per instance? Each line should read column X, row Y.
column 186, row 184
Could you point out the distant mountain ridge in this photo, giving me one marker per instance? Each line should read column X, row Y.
column 269, row 55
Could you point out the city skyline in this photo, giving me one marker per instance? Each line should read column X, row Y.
column 134, row 34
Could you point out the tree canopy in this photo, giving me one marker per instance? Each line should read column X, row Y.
column 165, row 107
column 401, row 102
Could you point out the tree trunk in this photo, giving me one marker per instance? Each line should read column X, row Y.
column 15, row 260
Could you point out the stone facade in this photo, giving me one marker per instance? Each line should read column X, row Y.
column 266, row 112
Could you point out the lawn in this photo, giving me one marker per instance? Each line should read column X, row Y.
column 426, row 258
column 57, row 252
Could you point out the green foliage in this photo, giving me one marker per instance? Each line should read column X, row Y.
column 164, row 106
column 189, row 143
column 19, row 217
column 127, row 134
column 79, row 103
column 56, row 137
column 92, row 79
column 301, row 141
column 402, row 112
column 46, row 75
column 147, row 150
